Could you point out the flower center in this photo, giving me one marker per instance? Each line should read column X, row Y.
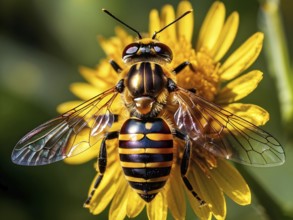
column 202, row 75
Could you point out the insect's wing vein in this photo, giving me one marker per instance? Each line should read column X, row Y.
column 67, row 135
column 225, row 134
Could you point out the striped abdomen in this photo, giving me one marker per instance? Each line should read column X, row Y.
column 146, row 155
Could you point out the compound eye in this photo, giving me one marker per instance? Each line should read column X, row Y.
column 163, row 50
column 158, row 49
column 131, row 49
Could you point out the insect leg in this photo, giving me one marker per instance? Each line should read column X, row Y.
column 102, row 163
column 115, row 66
column 185, row 165
column 181, row 66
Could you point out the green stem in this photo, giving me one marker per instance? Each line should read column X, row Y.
column 278, row 58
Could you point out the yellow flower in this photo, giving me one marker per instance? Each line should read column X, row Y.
column 210, row 177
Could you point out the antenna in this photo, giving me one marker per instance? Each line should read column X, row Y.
column 156, row 32
column 117, row 19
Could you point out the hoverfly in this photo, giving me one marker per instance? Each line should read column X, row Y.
column 146, row 138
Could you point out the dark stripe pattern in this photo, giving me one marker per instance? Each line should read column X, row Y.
column 146, row 172
column 146, row 157
column 145, row 79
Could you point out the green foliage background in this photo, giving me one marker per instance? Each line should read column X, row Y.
column 42, row 44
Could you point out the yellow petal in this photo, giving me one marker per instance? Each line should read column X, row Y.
column 87, row 155
column 66, row 106
column 185, row 26
column 211, row 27
column 84, row 91
column 210, row 191
column 154, row 21
column 232, row 183
column 157, row 208
column 135, row 204
column 203, row 212
column 107, row 188
column 78, row 143
column 168, row 15
column 175, row 194
column 119, row 202
column 110, row 47
column 240, row 87
column 242, row 58
column 123, row 36
column 95, row 77
column 252, row 113
column 226, row 37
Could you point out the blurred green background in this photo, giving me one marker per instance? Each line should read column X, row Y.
column 42, row 44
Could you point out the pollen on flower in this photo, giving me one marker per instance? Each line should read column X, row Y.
column 202, row 74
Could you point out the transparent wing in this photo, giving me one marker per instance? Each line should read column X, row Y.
column 225, row 134
column 67, row 135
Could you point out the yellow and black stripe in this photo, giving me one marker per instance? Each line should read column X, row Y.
column 146, row 154
column 145, row 79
